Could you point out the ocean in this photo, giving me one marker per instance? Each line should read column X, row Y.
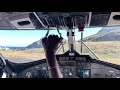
column 12, row 47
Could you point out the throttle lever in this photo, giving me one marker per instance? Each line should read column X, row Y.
column 61, row 41
column 47, row 33
column 59, row 32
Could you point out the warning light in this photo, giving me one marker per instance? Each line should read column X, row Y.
column 81, row 28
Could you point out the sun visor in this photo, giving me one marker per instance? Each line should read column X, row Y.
column 22, row 22
column 114, row 19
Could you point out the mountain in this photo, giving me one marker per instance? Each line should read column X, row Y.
column 108, row 29
column 105, row 34
column 37, row 44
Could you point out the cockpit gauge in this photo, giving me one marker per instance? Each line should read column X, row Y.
column 44, row 68
column 83, row 73
column 28, row 75
column 67, row 68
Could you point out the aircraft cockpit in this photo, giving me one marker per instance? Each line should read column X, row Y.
column 73, row 62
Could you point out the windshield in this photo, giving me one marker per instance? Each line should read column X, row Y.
column 104, row 43
column 25, row 45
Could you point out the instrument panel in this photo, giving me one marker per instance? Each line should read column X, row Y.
column 41, row 71
column 69, row 69
column 81, row 66
column 72, row 70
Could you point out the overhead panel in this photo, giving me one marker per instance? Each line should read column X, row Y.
column 61, row 19
column 51, row 20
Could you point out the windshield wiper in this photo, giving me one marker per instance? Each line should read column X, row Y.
column 61, row 47
column 95, row 56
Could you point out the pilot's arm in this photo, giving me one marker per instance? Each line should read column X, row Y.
column 50, row 45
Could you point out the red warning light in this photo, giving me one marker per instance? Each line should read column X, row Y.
column 81, row 28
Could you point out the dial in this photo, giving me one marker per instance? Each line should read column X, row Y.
column 28, row 75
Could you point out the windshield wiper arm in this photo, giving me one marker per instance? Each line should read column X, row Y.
column 62, row 47
column 90, row 50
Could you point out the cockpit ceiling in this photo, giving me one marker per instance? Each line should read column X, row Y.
column 43, row 20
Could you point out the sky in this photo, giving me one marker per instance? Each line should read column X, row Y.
column 22, row 38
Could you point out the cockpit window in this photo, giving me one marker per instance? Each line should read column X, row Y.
column 104, row 44
column 24, row 45
column 101, row 43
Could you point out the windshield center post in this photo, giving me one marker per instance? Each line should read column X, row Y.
column 70, row 34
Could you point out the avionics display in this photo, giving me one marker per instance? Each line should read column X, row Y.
column 83, row 73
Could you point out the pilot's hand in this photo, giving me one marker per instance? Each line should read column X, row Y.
column 51, row 43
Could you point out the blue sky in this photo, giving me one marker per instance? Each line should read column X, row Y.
column 26, row 37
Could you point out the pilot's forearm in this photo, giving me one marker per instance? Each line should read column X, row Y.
column 55, row 72
column 52, row 62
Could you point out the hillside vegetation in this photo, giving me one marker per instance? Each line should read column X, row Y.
column 107, row 51
column 106, row 34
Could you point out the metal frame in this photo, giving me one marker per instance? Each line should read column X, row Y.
column 71, row 42
column 89, row 20
column 7, row 70
column 3, row 59
column 39, row 19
